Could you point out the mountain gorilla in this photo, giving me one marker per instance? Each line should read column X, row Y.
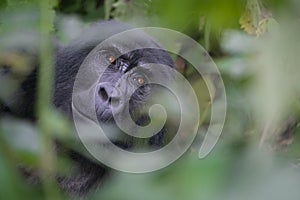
column 86, row 173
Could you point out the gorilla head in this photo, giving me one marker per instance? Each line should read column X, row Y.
column 98, row 61
column 116, row 78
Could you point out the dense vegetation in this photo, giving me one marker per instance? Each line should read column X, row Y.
column 255, row 44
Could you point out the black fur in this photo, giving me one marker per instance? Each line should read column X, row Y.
column 85, row 174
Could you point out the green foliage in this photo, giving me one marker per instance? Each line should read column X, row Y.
column 186, row 16
column 3, row 4
column 128, row 10
column 88, row 10
column 255, row 46
column 188, row 178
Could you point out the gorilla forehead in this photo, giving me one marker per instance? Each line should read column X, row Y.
column 138, row 61
column 133, row 44
column 139, row 57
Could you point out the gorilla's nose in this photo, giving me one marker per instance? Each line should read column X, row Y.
column 108, row 94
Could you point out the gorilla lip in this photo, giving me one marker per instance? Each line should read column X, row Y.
column 99, row 118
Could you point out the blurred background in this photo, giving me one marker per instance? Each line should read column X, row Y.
column 256, row 46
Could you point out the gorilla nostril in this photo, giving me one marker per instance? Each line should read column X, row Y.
column 108, row 95
column 103, row 94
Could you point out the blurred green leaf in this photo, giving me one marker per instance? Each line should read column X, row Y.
column 189, row 178
column 21, row 135
column 108, row 8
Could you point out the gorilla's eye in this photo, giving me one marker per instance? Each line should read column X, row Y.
column 111, row 59
column 139, row 80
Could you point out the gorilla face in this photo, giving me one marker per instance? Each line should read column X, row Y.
column 110, row 94
column 120, row 80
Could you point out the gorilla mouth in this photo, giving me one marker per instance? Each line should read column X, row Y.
column 101, row 115
column 106, row 119
column 104, row 115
